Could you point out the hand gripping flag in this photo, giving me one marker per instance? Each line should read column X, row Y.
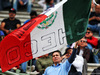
column 56, row 27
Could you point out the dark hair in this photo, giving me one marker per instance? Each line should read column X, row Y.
column 47, row 1
column 58, row 52
column 89, row 29
column 33, row 13
column 66, row 50
column 98, row 1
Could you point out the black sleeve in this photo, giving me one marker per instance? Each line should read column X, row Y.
column 4, row 20
column 18, row 22
column 73, row 55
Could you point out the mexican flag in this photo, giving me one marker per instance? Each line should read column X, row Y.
column 53, row 29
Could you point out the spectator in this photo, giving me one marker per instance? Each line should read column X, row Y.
column 59, row 68
column 43, row 62
column 46, row 4
column 94, row 20
column 82, row 50
column 77, row 65
column 11, row 23
column 33, row 14
column 92, row 42
column 23, row 4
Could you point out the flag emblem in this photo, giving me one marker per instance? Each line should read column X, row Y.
column 48, row 21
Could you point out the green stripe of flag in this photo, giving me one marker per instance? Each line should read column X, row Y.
column 76, row 16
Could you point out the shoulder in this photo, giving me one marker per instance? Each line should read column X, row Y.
column 17, row 21
column 4, row 20
column 94, row 38
column 27, row 21
column 48, row 68
column 66, row 63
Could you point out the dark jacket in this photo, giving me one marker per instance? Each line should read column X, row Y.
column 86, row 53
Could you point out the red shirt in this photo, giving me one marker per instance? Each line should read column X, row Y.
column 93, row 41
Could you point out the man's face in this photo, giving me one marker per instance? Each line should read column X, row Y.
column 97, row 9
column 82, row 42
column 88, row 34
column 52, row 1
column 56, row 57
column 12, row 15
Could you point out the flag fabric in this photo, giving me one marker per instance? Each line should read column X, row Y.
column 64, row 24
column 76, row 16
column 15, row 48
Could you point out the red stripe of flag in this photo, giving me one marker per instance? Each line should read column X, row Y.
column 15, row 48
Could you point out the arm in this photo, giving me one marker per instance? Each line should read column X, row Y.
column 92, row 18
column 18, row 25
column 98, row 18
column 3, row 29
column 73, row 55
column 67, row 64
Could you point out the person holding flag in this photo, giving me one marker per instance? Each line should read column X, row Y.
column 61, row 25
column 59, row 68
